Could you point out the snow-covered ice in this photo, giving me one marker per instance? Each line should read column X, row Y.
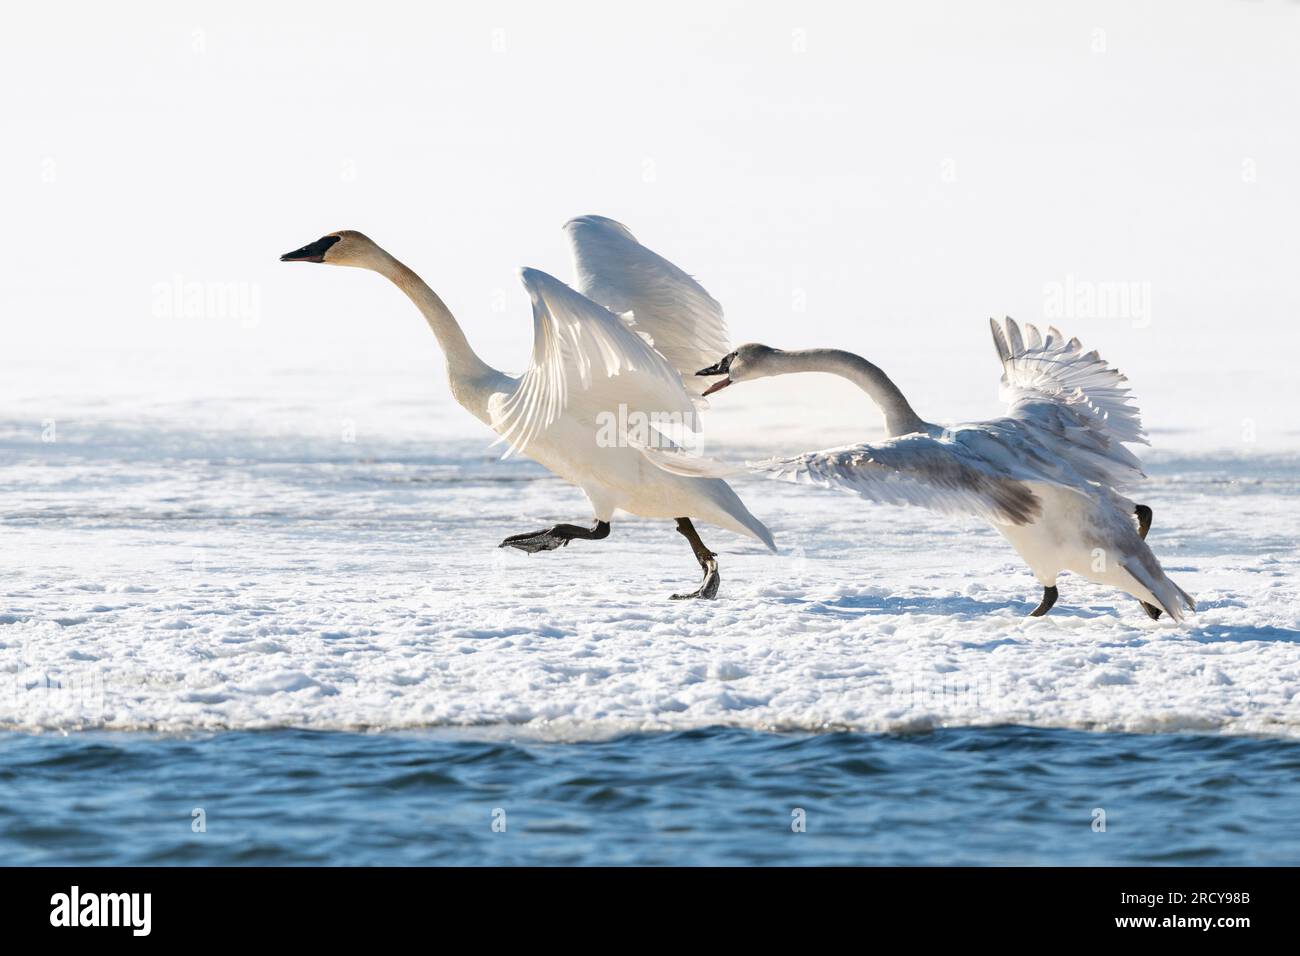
column 202, row 570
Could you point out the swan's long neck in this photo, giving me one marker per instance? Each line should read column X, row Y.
column 469, row 376
column 899, row 417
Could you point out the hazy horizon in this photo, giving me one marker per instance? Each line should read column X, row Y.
column 877, row 178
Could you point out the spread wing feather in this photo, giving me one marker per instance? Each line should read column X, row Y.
column 936, row 473
column 586, row 361
column 684, row 322
column 1076, row 405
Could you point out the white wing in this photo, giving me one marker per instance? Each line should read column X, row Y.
column 1077, row 405
column 684, row 321
column 679, row 461
column 586, row 361
column 945, row 474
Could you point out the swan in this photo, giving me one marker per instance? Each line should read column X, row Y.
column 1046, row 475
column 619, row 351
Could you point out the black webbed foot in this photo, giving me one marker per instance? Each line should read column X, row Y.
column 1153, row 612
column 557, row 537
column 1049, row 598
column 535, row 541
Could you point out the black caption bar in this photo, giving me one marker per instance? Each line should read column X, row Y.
column 218, row 905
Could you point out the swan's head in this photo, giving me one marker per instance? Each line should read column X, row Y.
column 747, row 362
column 347, row 247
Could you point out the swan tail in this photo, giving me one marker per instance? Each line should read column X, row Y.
column 1169, row 597
column 726, row 510
column 755, row 528
column 731, row 511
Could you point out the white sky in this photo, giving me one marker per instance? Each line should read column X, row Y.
column 903, row 170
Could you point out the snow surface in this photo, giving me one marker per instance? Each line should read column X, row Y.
column 237, row 565
column 201, row 546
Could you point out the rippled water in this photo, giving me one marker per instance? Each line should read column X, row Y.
column 717, row 796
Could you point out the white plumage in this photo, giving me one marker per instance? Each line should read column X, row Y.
column 593, row 375
column 1074, row 402
column 660, row 300
column 1045, row 475
column 586, row 361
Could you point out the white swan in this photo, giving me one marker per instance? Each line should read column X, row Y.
column 592, row 373
column 1045, row 475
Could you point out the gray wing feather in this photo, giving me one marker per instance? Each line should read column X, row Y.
column 919, row 470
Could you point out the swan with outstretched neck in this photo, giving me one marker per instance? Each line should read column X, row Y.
column 592, row 371
column 1046, row 475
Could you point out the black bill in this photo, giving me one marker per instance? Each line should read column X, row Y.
column 312, row 252
column 719, row 369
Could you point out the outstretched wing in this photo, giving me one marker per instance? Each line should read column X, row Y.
column 936, row 473
column 684, row 321
column 1076, row 404
column 586, row 361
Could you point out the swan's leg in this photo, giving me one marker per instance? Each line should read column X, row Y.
column 1144, row 515
column 1049, row 598
column 708, row 588
column 1144, row 520
column 556, row 537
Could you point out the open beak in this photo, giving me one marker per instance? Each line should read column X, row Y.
column 312, row 252
column 719, row 369
column 716, row 386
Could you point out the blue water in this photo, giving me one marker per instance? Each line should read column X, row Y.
column 720, row 796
